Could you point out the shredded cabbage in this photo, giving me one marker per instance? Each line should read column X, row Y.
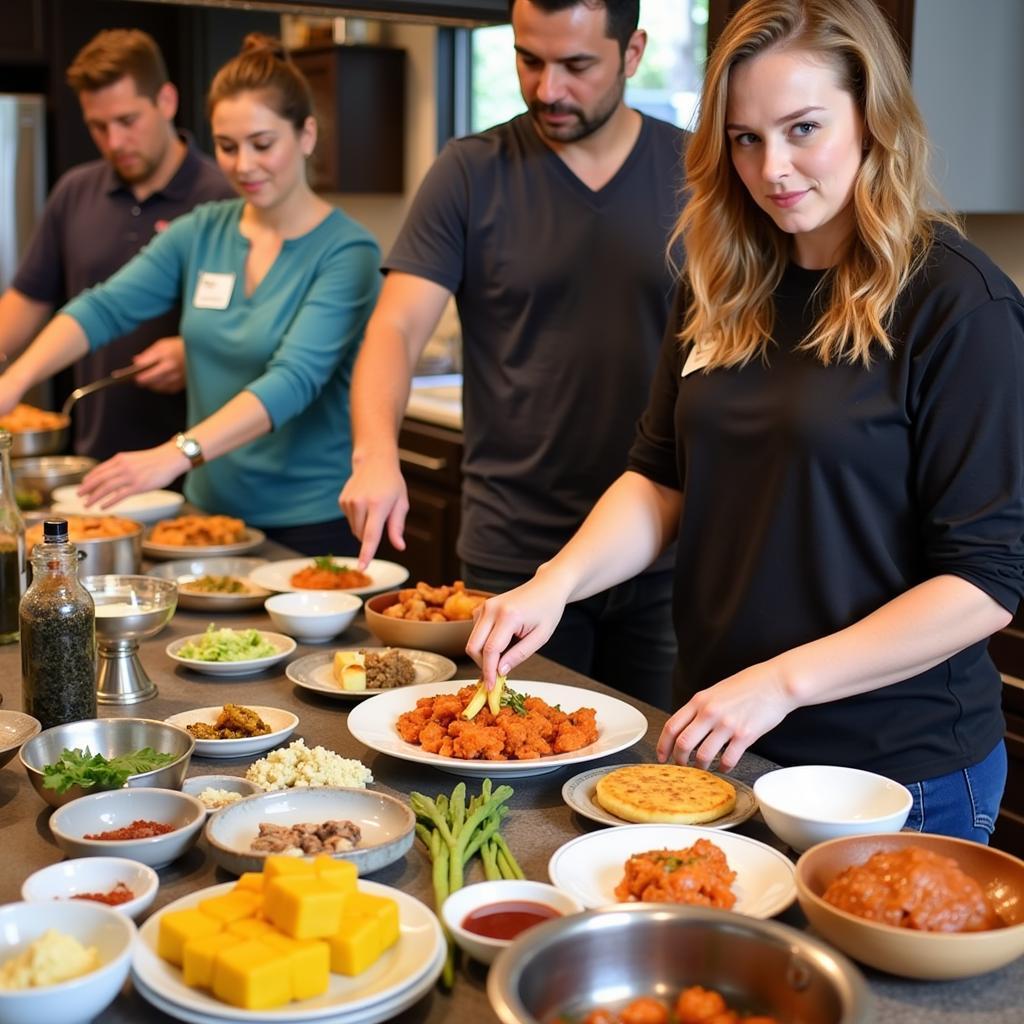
column 227, row 645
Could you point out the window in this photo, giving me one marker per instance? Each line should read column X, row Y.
column 666, row 84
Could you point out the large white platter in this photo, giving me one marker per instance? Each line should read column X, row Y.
column 580, row 793
column 282, row 725
column 619, row 725
column 410, row 966
column 285, row 645
column 591, row 866
column 278, row 575
column 314, row 672
column 253, row 539
column 147, row 507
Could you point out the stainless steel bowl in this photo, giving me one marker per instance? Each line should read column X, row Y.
column 611, row 956
column 156, row 600
column 109, row 737
column 25, row 443
column 45, row 472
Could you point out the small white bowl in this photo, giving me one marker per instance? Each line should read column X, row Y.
column 70, row 878
column 232, row 783
column 313, row 616
column 118, row 808
column 79, row 1000
column 464, row 901
column 809, row 804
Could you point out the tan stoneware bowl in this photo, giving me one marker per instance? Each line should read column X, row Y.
column 448, row 638
column 904, row 951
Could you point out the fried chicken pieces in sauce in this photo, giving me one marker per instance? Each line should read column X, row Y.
column 695, row 1005
column 436, row 725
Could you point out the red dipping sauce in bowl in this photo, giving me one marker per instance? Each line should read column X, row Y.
column 508, row 919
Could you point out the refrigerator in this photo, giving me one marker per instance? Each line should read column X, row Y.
column 22, row 176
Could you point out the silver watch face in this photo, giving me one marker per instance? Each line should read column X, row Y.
column 189, row 447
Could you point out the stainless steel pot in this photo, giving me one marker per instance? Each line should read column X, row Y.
column 26, row 443
column 121, row 555
column 45, row 472
column 608, row 957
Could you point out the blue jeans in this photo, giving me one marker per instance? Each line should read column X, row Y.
column 963, row 804
column 622, row 637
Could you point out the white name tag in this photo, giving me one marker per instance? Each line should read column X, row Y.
column 697, row 359
column 213, row 291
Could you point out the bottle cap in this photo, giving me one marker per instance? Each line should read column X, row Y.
column 55, row 531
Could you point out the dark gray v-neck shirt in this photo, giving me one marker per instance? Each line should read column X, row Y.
column 563, row 294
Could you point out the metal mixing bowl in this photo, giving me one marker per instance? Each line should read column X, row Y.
column 45, row 472
column 609, row 957
column 109, row 737
column 25, row 443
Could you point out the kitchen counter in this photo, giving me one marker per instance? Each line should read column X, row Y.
column 539, row 823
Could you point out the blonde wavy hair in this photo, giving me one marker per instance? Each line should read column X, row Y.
column 735, row 255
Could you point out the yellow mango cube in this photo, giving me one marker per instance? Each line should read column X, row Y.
column 180, row 925
column 251, row 928
column 309, row 963
column 341, row 874
column 277, row 865
column 383, row 910
column 232, row 906
column 199, row 955
column 303, row 908
column 355, row 946
column 252, row 975
column 250, row 881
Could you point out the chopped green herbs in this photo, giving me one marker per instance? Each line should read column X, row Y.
column 88, row 770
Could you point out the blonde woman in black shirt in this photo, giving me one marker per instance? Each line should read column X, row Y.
column 839, row 401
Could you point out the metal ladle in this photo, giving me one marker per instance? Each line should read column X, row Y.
column 124, row 373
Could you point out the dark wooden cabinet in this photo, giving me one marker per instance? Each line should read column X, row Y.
column 431, row 458
column 359, row 96
column 22, row 40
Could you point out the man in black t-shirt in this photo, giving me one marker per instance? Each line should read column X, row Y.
column 98, row 216
column 551, row 232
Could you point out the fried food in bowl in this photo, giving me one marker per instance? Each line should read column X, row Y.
column 406, row 618
column 27, row 417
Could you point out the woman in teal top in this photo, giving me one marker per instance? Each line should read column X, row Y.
column 276, row 288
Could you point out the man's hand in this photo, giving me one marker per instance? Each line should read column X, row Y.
column 164, row 363
column 375, row 497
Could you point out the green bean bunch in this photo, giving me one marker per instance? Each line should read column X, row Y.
column 453, row 832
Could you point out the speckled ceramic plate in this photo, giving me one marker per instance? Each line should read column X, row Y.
column 282, row 725
column 253, row 539
column 185, row 570
column 314, row 671
column 580, row 793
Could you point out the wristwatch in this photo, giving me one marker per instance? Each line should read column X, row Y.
column 190, row 448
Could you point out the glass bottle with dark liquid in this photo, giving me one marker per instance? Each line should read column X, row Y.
column 12, row 547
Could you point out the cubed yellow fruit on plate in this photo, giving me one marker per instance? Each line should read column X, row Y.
column 251, row 928
column 383, row 910
column 177, row 926
column 200, row 953
column 303, row 908
column 309, row 963
column 277, row 865
column 252, row 975
column 232, row 906
column 355, row 945
column 341, row 874
column 250, row 881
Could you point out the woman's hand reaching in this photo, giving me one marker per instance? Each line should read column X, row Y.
column 727, row 717
column 129, row 473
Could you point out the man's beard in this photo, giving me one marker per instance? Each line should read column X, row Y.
column 583, row 126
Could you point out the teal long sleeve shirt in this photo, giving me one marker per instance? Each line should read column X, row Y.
column 291, row 343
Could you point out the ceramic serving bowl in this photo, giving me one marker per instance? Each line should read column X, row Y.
column 903, row 951
column 68, row 879
column 608, row 957
column 386, row 825
column 196, row 785
column 464, row 901
column 109, row 737
column 448, row 638
column 16, row 728
column 81, row 999
column 813, row 803
column 313, row 616
column 117, row 809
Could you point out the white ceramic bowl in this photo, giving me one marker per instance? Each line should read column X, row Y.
column 472, row 897
column 232, row 783
column 81, row 999
column 69, row 878
column 812, row 803
column 313, row 616
column 118, row 808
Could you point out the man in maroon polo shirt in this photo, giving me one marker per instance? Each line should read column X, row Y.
column 97, row 217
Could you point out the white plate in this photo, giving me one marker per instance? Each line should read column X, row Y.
column 277, row 575
column 385, row 1010
column 580, row 793
column 314, row 672
column 414, row 958
column 591, row 866
column 282, row 725
column 619, row 725
column 285, row 645
column 253, row 539
column 187, row 569
column 147, row 507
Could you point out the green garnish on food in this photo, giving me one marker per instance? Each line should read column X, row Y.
column 328, row 563
column 88, row 770
column 227, row 645
column 218, row 585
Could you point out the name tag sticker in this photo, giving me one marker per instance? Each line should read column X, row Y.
column 696, row 360
column 213, row 291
